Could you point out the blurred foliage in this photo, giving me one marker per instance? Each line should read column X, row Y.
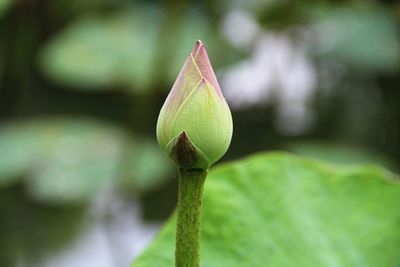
column 71, row 160
column 4, row 5
column 340, row 153
column 342, row 30
column 124, row 49
column 98, row 51
column 143, row 166
column 259, row 210
column 360, row 35
column 30, row 231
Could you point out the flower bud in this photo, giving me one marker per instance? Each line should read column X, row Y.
column 194, row 127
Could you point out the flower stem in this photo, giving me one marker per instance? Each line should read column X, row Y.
column 191, row 183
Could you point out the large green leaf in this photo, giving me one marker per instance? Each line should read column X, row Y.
column 279, row 210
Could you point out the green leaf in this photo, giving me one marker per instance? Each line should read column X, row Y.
column 96, row 52
column 72, row 159
column 125, row 49
column 340, row 153
column 279, row 210
column 144, row 166
column 4, row 6
column 365, row 38
column 18, row 146
column 63, row 159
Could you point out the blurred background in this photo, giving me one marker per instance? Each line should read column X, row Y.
column 82, row 180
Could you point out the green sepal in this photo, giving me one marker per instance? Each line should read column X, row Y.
column 185, row 154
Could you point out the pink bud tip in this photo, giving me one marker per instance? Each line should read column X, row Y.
column 200, row 56
column 196, row 47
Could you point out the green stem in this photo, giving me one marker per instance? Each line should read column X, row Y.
column 191, row 183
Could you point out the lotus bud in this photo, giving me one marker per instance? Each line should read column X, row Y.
column 194, row 127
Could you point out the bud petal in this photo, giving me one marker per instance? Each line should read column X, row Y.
column 195, row 124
